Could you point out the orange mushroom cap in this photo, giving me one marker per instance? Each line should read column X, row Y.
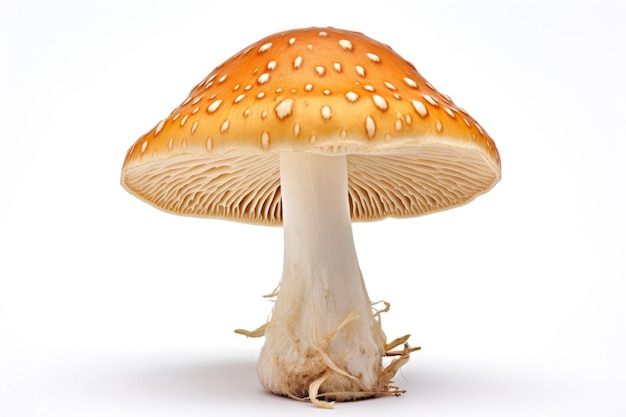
column 410, row 149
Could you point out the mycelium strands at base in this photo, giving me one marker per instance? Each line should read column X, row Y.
column 323, row 339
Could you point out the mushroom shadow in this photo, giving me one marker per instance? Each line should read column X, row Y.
column 231, row 383
column 473, row 388
column 191, row 382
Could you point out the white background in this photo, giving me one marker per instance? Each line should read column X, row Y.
column 109, row 307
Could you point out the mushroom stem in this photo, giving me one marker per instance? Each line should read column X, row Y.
column 322, row 326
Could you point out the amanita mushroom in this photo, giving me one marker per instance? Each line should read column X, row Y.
column 313, row 128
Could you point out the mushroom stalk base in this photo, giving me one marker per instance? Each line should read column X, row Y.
column 323, row 342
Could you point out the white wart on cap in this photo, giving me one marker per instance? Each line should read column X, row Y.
column 410, row 149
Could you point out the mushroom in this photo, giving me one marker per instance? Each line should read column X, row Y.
column 313, row 128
